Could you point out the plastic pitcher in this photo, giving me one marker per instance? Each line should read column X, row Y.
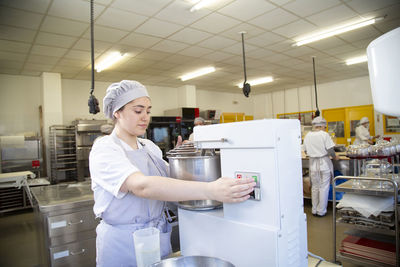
column 147, row 246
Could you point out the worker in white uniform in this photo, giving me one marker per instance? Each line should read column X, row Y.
column 362, row 133
column 319, row 147
column 130, row 179
column 197, row 121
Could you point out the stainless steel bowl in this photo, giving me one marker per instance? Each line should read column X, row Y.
column 202, row 167
column 200, row 205
column 193, row 261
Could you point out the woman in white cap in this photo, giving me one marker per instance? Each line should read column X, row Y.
column 319, row 146
column 129, row 179
column 362, row 133
column 197, row 121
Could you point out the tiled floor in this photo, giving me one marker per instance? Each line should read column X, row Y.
column 18, row 241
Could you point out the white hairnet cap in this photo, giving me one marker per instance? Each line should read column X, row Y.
column 319, row 121
column 119, row 94
column 364, row 120
column 199, row 120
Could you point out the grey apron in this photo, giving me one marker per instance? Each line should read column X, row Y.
column 114, row 242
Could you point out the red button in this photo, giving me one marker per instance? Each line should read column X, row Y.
column 239, row 176
column 35, row 163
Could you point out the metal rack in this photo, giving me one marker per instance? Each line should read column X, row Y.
column 348, row 187
column 63, row 159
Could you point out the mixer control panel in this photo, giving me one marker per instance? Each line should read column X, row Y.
column 256, row 194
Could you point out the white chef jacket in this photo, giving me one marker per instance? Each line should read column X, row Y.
column 316, row 145
column 106, row 182
column 362, row 135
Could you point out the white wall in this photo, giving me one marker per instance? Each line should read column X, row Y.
column 162, row 98
column 76, row 95
column 226, row 102
column 20, row 100
column 19, row 104
column 346, row 93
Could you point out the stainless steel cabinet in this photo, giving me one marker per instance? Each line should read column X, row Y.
column 25, row 158
column 74, row 254
column 67, row 224
column 86, row 131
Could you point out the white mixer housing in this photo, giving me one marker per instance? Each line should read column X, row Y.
column 269, row 229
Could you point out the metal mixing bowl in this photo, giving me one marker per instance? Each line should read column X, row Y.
column 193, row 261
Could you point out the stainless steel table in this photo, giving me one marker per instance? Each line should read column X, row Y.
column 64, row 214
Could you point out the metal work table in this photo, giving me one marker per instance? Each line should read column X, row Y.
column 74, row 195
column 67, row 224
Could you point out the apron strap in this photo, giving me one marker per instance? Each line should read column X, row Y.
column 162, row 216
column 318, row 163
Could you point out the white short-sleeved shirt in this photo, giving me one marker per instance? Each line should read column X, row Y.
column 316, row 144
column 109, row 167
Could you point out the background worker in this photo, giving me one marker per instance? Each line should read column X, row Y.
column 130, row 179
column 362, row 133
column 197, row 121
column 319, row 147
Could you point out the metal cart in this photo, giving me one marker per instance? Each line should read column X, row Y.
column 348, row 187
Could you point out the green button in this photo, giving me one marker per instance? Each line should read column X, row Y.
column 255, row 178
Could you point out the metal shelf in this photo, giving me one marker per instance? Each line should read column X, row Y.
column 63, row 153
column 66, row 169
column 348, row 187
column 12, row 199
column 367, row 228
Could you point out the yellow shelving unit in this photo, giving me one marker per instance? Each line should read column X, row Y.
column 233, row 117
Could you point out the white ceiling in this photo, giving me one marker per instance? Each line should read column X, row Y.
column 163, row 39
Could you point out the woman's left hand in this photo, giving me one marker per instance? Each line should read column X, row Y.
column 178, row 141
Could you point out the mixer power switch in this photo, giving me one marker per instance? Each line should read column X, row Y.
column 256, row 194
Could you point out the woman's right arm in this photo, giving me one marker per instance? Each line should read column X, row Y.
column 170, row 189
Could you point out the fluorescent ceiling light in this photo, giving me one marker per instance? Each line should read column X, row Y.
column 262, row 80
column 200, row 4
column 197, row 73
column 335, row 31
column 356, row 60
column 109, row 60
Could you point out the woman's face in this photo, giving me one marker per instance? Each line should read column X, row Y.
column 134, row 116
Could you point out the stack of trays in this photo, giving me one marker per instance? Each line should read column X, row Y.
column 379, row 251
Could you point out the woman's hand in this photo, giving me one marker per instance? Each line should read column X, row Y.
column 178, row 141
column 231, row 190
